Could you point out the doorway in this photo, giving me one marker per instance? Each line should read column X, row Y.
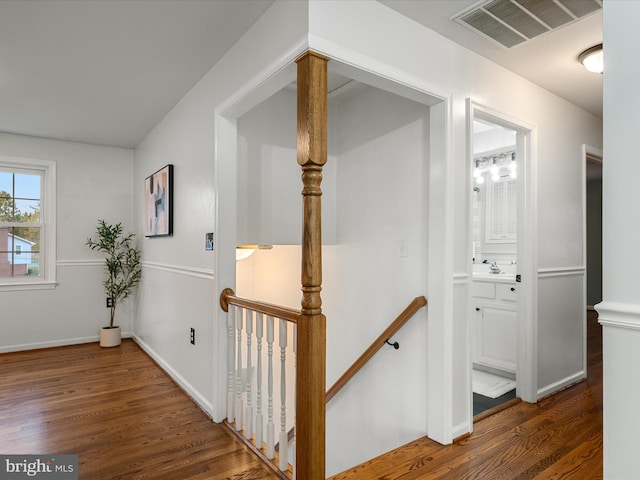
column 593, row 226
column 502, row 322
column 494, row 329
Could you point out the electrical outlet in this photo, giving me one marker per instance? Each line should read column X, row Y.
column 192, row 336
column 109, row 302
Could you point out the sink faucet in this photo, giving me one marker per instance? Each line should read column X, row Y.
column 494, row 268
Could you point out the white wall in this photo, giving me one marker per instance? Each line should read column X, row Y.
column 376, row 270
column 619, row 311
column 181, row 281
column 269, row 184
column 92, row 183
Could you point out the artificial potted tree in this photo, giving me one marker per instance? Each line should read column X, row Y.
column 123, row 269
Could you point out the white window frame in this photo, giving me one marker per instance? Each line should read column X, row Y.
column 47, row 278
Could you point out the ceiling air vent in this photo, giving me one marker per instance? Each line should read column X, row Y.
column 512, row 22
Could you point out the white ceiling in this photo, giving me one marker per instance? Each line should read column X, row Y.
column 549, row 60
column 106, row 72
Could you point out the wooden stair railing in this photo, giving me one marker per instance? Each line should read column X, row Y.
column 228, row 297
column 396, row 325
column 245, row 406
column 415, row 305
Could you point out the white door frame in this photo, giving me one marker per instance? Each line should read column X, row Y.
column 587, row 152
column 440, row 217
column 527, row 249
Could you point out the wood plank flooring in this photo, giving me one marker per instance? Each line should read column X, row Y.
column 116, row 409
column 126, row 419
column 560, row 437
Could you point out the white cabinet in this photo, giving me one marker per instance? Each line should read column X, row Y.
column 495, row 326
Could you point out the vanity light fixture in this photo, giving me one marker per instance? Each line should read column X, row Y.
column 513, row 166
column 494, row 166
column 592, row 59
column 495, row 171
column 477, row 173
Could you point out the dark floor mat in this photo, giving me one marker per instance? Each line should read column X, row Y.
column 482, row 403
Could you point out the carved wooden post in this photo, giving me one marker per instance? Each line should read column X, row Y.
column 311, row 364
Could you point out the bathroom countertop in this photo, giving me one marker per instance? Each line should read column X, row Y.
column 494, row 277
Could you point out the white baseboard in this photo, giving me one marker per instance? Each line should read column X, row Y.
column 54, row 343
column 196, row 396
column 559, row 385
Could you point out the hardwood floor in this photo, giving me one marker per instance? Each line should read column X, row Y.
column 560, row 437
column 126, row 419
column 119, row 412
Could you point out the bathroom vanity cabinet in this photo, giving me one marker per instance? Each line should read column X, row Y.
column 495, row 327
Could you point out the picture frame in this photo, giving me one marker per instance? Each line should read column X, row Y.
column 158, row 189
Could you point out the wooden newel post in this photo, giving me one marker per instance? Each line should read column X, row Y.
column 311, row 357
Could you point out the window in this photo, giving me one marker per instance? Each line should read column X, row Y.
column 27, row 223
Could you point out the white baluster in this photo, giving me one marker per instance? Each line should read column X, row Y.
column 231, row 320
column 259, row 426
column 238, row 411
column 295, row 365
column 284, row 464
column 270, row 426
column 248, row 423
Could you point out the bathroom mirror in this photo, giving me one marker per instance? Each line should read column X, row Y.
column 494, row 193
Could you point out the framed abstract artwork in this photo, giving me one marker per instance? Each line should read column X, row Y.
column 158, row 190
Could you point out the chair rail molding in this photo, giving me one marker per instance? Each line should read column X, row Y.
column 620, row 315
column 180, row 270
column 561, row 271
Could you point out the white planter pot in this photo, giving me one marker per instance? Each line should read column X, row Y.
column 110, row 337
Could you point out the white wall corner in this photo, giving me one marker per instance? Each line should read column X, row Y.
column 195, row 395
column 462, row 429
column 563, row 383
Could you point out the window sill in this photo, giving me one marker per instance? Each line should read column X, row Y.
column 22, row 286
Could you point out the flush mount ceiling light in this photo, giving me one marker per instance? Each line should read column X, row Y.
column 592, row 59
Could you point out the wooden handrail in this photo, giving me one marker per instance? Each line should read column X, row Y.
column 397, row 324
column 415, row 305
column 228, row 297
